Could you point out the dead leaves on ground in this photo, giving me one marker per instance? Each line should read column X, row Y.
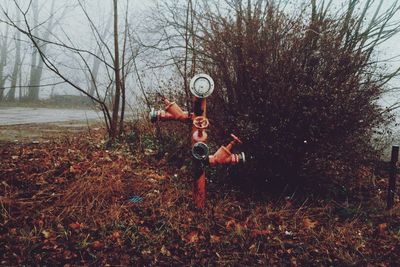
column 99, row 224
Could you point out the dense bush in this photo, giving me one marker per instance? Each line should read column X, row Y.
column 300, row 90
column 163, row 141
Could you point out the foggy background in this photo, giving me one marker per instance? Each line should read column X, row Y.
column 71, row 26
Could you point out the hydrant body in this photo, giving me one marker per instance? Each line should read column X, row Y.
column 201, row 86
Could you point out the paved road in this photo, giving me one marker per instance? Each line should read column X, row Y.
column 14, row 116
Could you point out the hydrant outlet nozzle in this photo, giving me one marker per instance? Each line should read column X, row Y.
column 153, row 115
column 172, row 112
column 234, row 142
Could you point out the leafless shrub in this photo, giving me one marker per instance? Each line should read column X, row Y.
column 300, row 87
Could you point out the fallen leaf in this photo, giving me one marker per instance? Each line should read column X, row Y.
column 214, row 239
column 238, row 229
column 156, row 176
column 97, row 245
column 382, row 227
column 73, row 169
column 165, row 251
column 115, row 236
column 253, row 249
column 288, row 233
column 144, row 231
column 230, row 224
column 309, row 224
column 127, row 168
column 149, row 152
column 107, row 159
column 192, row 237
column 67, row 254
column 46, row 233
column 256, row 233
column 76, row 225
column 39, row 223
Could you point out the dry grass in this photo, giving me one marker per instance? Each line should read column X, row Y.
column 94, row 197
column 67, row 201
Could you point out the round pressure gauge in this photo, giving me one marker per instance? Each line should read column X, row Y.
column 202, row 85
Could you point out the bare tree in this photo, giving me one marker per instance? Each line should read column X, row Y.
column 17, row 64
column 37, row 63
column 33, row 92
column 117, row 71
column 3, row 63
column 115, row 66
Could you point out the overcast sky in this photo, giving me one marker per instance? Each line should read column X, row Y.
column 76, row 26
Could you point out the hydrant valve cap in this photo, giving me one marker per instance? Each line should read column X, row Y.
column 200, row 151
column 153, row 115
column 202, row 85
column 243, row 157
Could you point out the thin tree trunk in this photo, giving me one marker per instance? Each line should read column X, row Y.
column 20, row 93
column 123, row 88
column 17, row 65
column 193, row 71
column 114, row 123
column 37, row 62
column 185, row 66
column 3, row 63
column 33, row 89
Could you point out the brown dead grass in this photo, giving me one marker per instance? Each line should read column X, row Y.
column 67, row 201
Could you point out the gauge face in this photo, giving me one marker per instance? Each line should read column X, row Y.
column 202, row 85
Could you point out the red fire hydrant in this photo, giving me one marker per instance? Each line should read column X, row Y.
column 201, row 87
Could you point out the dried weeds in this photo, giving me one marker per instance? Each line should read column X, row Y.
column 68, row 202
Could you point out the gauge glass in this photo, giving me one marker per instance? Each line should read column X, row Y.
column 202, row 85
